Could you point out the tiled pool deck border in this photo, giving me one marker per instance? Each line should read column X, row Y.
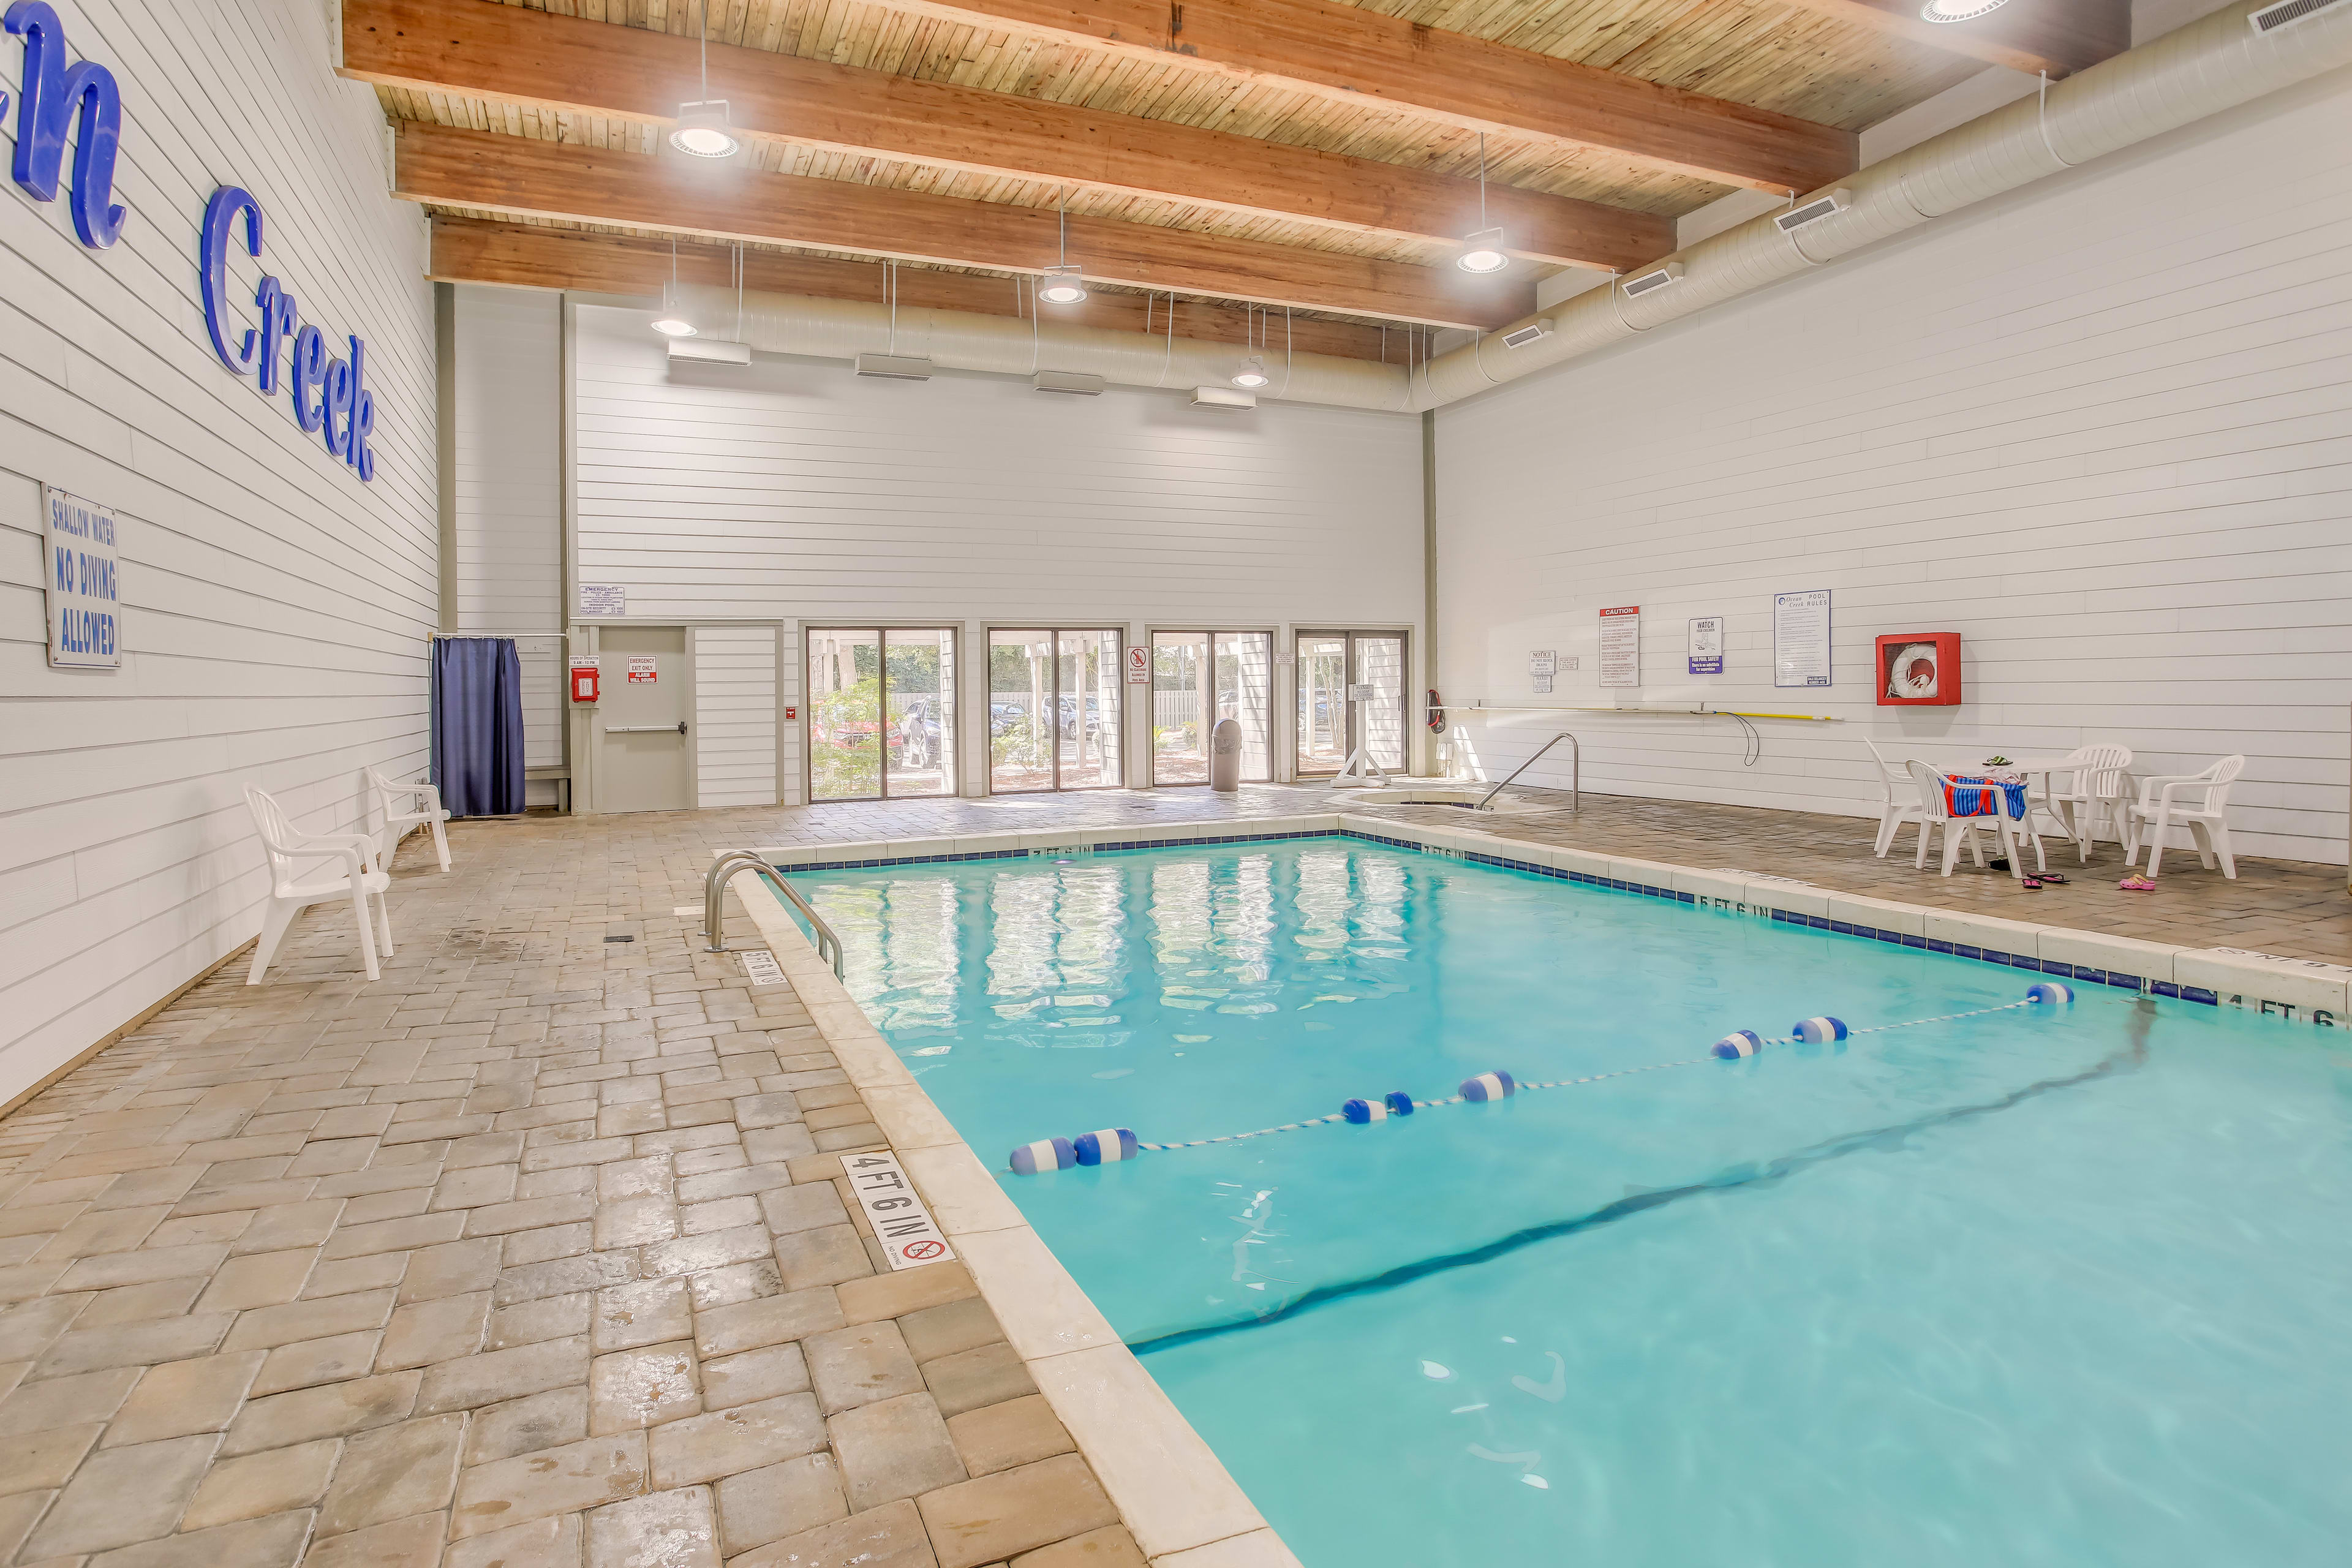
column 1179, row 1503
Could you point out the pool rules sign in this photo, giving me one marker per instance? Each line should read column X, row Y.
column 82, row 571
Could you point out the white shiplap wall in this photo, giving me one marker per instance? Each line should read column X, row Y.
column 794, row 490
column 735, row 715
column 2099, row 428
column 276, row 610
column 509, row 493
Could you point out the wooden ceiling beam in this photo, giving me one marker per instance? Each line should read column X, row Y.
column 514, row 255
column 2060, row 37
column 1362, row 58
column 526, row 178
column 514, row 54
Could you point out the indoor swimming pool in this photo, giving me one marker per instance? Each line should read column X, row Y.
column 2044, row 1284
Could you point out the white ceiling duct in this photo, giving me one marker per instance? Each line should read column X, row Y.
column 964, row 340
column 2197, row 70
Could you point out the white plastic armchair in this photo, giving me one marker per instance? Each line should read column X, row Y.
column 403, row 806
column 1900, row 802
column 2089, row 784
column 1936, row 813
column 2197, row 802
column 353, row 875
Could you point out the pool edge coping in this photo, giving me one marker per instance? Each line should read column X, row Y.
column 1176, row 1497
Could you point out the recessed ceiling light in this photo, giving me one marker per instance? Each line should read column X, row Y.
column 1252, row 375
column 1958, row 10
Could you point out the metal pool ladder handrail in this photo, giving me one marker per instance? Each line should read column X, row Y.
column 724, row 870
column 1575, row 772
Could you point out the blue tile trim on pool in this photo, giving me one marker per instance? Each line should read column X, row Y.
column 2084, row 973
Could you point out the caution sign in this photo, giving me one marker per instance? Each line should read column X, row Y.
column 908, row 1235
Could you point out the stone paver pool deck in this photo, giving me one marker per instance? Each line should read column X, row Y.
column 534, row 1252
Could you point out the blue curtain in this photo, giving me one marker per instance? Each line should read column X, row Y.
column 477, row 725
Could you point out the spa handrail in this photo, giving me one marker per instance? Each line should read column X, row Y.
column 724, row 870
column 1575, row 770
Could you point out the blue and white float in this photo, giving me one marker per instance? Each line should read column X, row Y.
column 1104, row 1146
column 1496, row 1085
column 1360, row 1111
column 1739, row 1043
column 1045, row 1154
column 1820, row 1031
column 2050, row 991
column 1399, row 1102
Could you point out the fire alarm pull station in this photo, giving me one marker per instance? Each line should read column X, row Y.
column 583, row 681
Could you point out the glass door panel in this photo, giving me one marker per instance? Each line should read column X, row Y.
column 844, row 734
column 1244, row 693
column 1181, row 696
column 1020, row 699
column 881, row 713
column 1322, row 701
column 919, row 693
column 1380, row 664
column 1087, row 701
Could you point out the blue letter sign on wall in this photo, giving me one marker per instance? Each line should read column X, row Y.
column 55, row 100
column 331, row 395
column 48, row 102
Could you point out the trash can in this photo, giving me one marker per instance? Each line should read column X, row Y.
column 1225, row 755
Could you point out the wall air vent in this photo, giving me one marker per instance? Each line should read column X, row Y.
column 1222, row 397
column 1653, row 280
column 895, row 367
column 1813, row 211
column 1066, row 381
column 1533, row 333
column 2288, row 13
column 708, row 351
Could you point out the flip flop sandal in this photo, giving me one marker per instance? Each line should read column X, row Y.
column 2031, row 884
column 2050, row 877
column 2137, row 885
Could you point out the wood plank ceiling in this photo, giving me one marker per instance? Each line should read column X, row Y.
column 1313, row 156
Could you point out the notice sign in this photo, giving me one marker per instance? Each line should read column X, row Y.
column 904, row 1226
column 1138, row 667
column 641, row 667
column 1620, row 646
column 1541, row 663
column 1706, row 644
column 81, row 571
column 604, row 599
column 1801, row 638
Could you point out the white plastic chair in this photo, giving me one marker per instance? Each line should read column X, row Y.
column 289, row 895
column 2013, row 832
column 1900, row 806
column 2207, row 821
column 403, row 806
column 2096, row 786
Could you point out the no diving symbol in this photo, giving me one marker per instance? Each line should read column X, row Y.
column 923, row 1251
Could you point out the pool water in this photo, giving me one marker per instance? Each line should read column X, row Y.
column 2039, row 1287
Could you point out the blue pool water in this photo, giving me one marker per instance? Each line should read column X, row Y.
column 2034, row 1288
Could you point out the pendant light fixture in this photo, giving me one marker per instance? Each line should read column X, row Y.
column 671, row 321
column 1252, row 373
column 702, row 128
column 1958, row 10
column 1485, row 251
column 1062, row 285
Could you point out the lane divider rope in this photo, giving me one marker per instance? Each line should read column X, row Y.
column 1109, row 1144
